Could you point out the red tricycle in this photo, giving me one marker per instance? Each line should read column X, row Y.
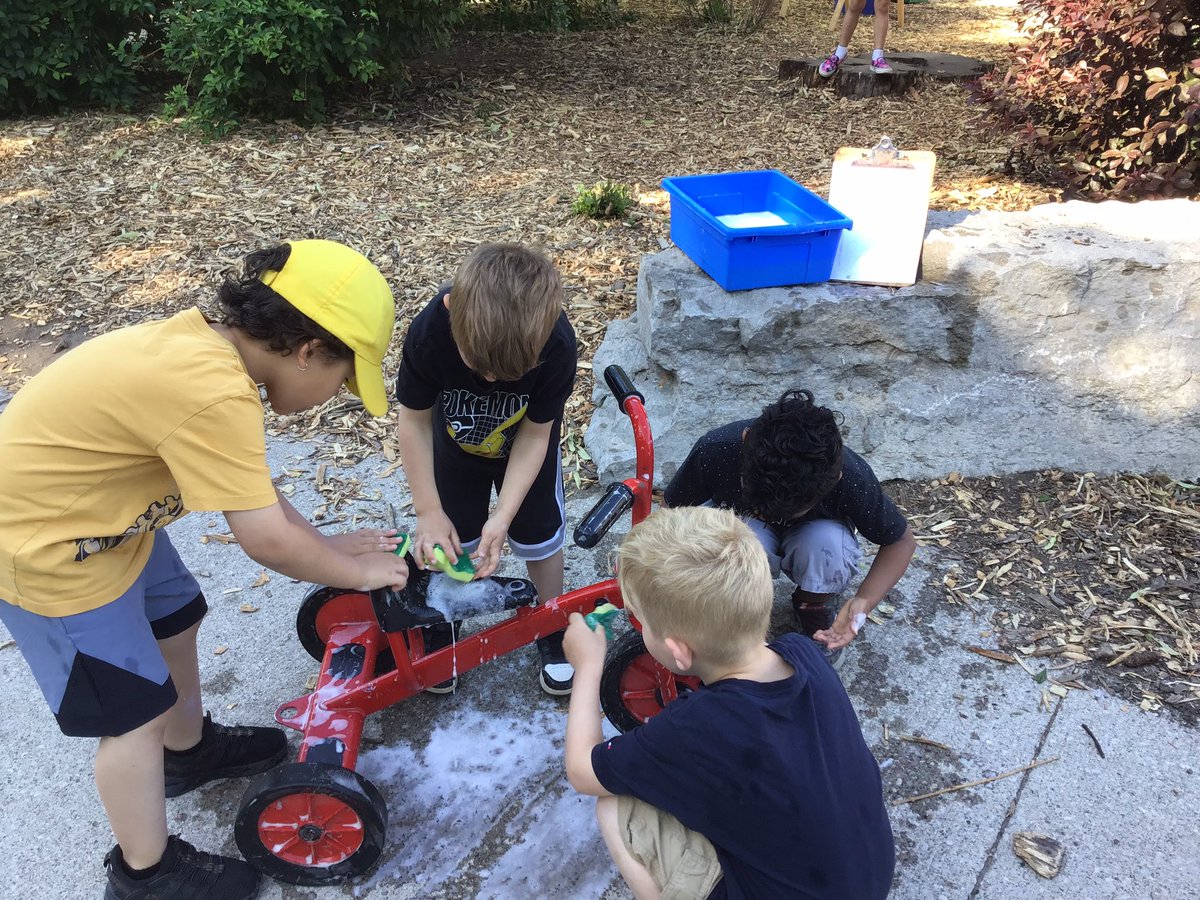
column 317, row 821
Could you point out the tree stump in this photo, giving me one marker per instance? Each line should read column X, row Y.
column 855, row 78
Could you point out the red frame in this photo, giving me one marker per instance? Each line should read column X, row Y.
column 337, row 708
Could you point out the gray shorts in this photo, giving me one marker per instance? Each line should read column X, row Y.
column 101, row 671
column 820, row 556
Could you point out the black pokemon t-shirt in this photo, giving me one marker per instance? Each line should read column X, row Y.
column 474, row 415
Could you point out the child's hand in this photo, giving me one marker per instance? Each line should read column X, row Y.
column 583, row 646
column 365, row 540
column 491, row 542
column 435, row 528
column 845, row 626
column 383, row 570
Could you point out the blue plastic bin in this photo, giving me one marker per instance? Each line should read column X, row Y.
column 799, row 250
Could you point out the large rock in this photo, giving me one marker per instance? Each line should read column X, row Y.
column 1067, row 336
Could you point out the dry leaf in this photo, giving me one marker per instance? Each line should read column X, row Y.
column 1040, row 852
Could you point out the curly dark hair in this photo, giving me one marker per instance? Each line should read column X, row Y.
column 791, row 457
column 252, row 307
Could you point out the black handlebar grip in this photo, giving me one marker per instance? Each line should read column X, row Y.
column 621, row 385
column 616, row 500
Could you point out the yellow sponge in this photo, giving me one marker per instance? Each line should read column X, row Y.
column 463, row 570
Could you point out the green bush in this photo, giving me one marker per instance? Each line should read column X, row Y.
column 604, row 200
column 272, row 58
column 60, row 52
column 1105, row 97
column 284, row 58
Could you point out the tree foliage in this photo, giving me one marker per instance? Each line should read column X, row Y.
column 59, row 52
column 1105, row 96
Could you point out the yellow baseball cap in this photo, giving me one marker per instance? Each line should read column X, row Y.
column 343, row 292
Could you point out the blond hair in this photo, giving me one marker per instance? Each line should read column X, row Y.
column 503, row 306
column 699, row 575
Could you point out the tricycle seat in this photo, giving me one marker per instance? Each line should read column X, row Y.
column 430, row 599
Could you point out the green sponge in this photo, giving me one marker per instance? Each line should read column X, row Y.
column 463, row 570
column 602, row 615
column 405, row 544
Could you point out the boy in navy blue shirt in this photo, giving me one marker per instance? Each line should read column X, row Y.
column 758, row 785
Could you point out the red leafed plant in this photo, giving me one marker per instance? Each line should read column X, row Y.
column 1104, row 96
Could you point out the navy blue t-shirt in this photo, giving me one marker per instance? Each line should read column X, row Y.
column 777, row 775
column 471, row 414
column 713, row 472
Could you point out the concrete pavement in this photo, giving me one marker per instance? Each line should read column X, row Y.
column 479, row 807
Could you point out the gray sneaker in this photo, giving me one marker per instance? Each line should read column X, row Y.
column 835, row 658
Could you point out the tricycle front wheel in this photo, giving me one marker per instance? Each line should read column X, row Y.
column 311, row 823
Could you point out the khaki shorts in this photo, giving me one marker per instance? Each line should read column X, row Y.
column 683, row 862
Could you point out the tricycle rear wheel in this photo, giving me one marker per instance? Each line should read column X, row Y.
column 323, row 607
column 634, row 686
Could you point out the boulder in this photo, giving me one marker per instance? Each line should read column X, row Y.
column 1067, row 336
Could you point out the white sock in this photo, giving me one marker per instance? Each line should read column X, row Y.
column 876, row 53
column 840, row 52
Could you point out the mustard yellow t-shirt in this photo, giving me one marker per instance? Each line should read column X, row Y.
column 120, row 436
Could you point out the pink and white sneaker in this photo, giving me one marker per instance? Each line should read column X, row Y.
column 829, row 65
column 880, row 66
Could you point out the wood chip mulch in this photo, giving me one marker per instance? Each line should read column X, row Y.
column 1097, row 579
column 111, row 219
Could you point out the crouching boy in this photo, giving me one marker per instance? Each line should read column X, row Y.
column 760, row 784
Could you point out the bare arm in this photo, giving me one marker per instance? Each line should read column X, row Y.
column 890, row 564
column 524, row 462
column 414, row 434
column 271, row 537
column 585, row 650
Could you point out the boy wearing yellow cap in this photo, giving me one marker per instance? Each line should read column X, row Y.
column 126, row 433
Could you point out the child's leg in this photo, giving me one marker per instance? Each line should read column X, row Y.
column 536, row 535
column 657, row 856
column 854, row 10
column 547, row 575
column 882, row 14
column 195, row 750
column 769, row 538
column 636, row 875
column 185, row 721
column 821, row 557
column 129, row 779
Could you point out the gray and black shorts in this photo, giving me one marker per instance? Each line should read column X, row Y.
column 102, row 671
column 465, row 484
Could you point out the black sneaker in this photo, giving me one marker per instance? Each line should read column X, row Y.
column 814, row 612
column 438, row 636
column 223, row 752
column 557, row 676
column 184, row 874
column 814, row 617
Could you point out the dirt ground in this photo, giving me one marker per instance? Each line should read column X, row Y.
column 109, row 219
